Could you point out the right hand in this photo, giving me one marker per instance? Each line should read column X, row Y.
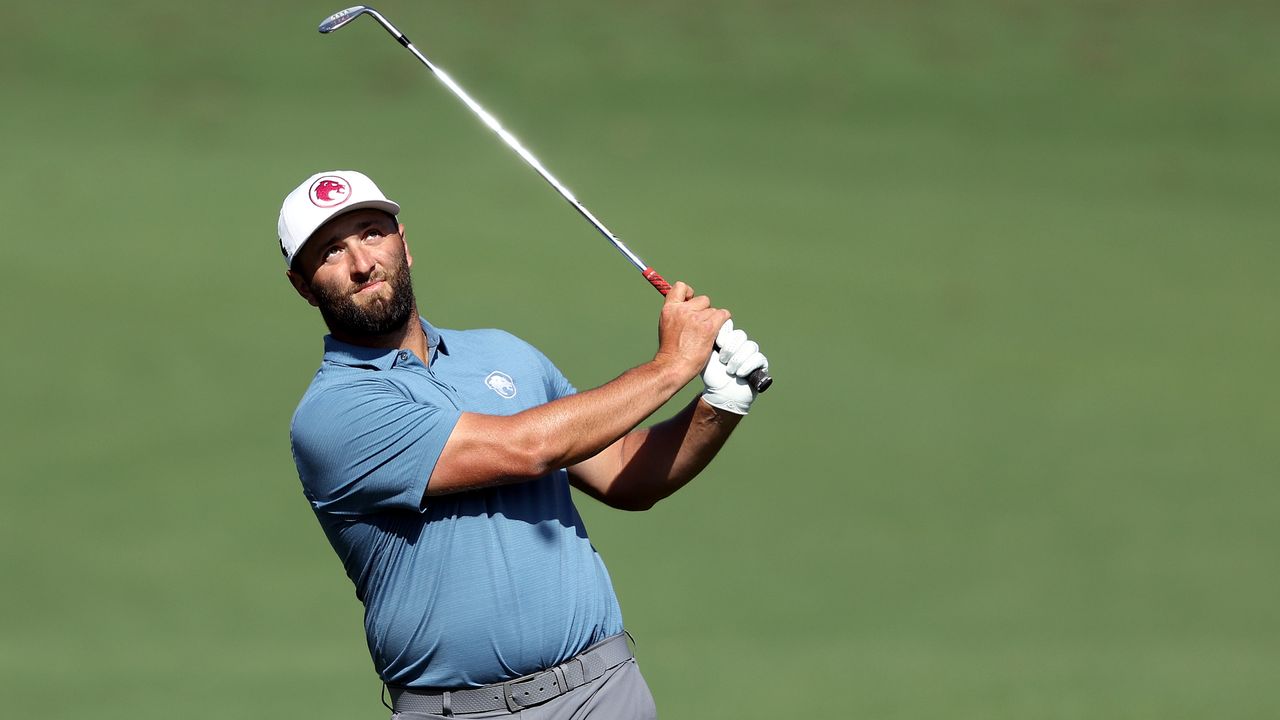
column 687, row 330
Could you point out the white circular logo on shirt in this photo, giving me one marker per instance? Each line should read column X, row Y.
column 501, row 383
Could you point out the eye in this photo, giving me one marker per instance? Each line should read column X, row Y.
column 331, row 252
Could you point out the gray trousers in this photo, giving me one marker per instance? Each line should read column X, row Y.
column 619, row 694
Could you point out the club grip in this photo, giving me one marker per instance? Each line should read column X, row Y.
column 759, row 379
column 656, row 280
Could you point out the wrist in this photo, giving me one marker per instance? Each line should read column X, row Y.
column 725, row 403
column 670, row 372
column 676, row 369
column 717, row 415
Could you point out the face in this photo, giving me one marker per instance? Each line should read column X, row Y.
column 355, row 269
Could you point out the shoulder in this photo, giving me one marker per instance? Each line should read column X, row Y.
column 337, row 389
column 490, row 342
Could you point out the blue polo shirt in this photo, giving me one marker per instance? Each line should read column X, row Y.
column 464, row 589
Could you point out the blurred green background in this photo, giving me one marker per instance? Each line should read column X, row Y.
column 1014, row 264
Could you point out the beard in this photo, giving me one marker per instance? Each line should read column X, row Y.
column 380, row 317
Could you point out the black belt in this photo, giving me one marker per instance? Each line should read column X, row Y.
column 522, row 692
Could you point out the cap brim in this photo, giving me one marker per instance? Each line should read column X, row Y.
column 384, row 205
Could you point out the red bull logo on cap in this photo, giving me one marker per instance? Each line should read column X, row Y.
column 329, row 191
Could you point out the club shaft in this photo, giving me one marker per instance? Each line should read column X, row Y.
column 511, row 141
column 759, row 379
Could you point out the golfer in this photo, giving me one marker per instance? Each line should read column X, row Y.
column 438, row 463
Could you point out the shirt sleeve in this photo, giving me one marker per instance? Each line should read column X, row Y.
column 366, row 447
column 558, row 385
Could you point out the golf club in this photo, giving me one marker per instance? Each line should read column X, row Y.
column 759, row 380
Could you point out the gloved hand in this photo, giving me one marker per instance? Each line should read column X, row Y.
column 724, row 376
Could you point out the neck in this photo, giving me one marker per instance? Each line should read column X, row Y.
column 411, row 337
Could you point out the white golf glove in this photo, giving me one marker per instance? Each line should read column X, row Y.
column 726, row 370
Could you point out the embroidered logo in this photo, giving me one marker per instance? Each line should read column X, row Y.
column 329, row 191
column 501, row 383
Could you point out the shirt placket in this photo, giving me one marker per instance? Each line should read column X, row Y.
column 405, row 361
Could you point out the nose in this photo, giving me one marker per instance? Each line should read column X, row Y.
column 362, row 261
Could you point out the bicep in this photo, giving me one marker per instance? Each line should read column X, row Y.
column 368, row 451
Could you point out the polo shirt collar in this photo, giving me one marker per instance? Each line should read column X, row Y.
column 342, row 353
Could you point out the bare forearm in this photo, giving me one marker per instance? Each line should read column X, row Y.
column 650, row 464
column 577, row 427
column 486, row 450
column 673, row 452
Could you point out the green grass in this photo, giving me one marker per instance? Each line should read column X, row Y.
column 1013, row 262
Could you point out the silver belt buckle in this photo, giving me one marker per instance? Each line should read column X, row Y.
column 509, row 695
column 510, row 698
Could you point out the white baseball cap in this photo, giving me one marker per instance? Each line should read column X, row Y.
column 319, row 199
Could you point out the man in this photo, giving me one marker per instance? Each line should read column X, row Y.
column 438, row 463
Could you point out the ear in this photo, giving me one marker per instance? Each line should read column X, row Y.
column 301, row 285
column 408, row 258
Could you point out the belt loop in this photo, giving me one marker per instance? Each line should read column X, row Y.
column 446, row 704
column 575, row 672
column 561, row 679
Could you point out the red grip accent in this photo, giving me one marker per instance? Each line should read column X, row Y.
column 656, row 280
column 760, row 379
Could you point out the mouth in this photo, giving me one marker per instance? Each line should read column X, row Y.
column 370, row 287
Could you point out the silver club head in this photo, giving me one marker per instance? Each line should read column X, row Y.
column 342, row 17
